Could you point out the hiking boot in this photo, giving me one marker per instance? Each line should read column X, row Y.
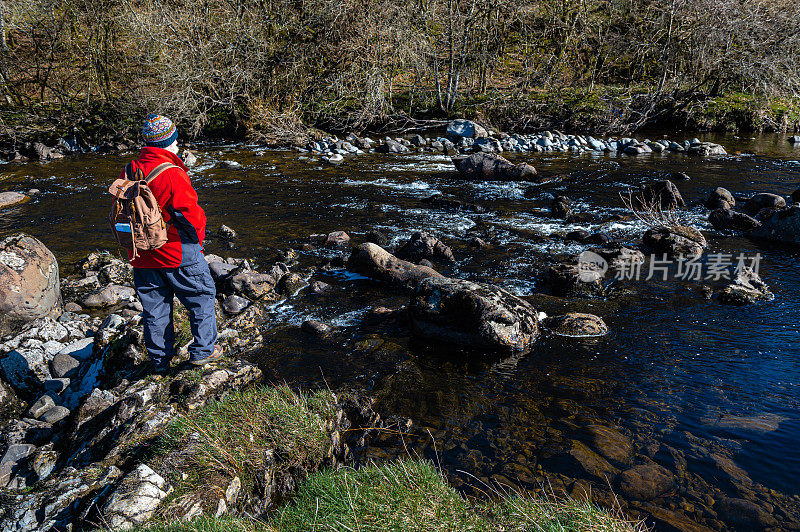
column 215, row 356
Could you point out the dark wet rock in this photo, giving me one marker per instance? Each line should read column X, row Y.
column 472, row 315
column 705, row 149
column 253, row 285
column 681, row 176
column 10, row 199
column 666, row 519
column 371, row 260
column 718, row 196
column 582, row 218
column 29, row 282
column 109, row 296
column 744, row 514
column 320, row 288
column 576, row 324
column 41, row 152
column 423, row 245
column 567, row 280
column 478, row 243
column 723, row 219
column 579, row 235
column 64, row 365
column 578, row 461
column 675, row 240
column 560, row 207
column 763, row 200
column 796, row 196
column 601, row 239
column 234, row 304
column 461, row 128
column 452, row 204
column 609, row 443
column 745, row 288
column 376, row 237
column 492, row 167
column 663, row 195
column 226, row 233
column 221, row 270
column 115, row 271
column 42, row 405
column 292, row 283
column 316, row 328
column 426, row 263
column 392, row 146
column 136, row 499
column 782, row 226
column 645, row 481
column 418, row 140
column 230, row 165
column 337, row 238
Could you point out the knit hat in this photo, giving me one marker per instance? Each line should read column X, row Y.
column 159, row 131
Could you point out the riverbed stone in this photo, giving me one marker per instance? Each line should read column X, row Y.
column 610, row 443
column 744, row 514
column 234, row 304
column 460, row 128
column 371, row 260
column 579, row 461
column 473, row 315
column 63, row 365
column 568, row 280
column 42, row 405
column 705, row 149
column 645, row 481
column 423, row 245
column 675, row 240
column 316, row 328
column 253, row 285
column 782, row 226
column 109, row 296
column 492, row 167
column 55, row 415
column 725, row 219
column 136, row 498
column 663, row 195
column 745, row 288
column 719, row 197
column 576, row 324
column 226, row 233
column 29, row 282
column 763, row 200
column 10, row 199
column 561, row 207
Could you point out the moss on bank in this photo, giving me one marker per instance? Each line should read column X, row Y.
column 409, row 495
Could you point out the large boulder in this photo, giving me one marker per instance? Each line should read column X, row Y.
column 720, row 198
column 675, row 240
column 472, row 315
column 371, row 260
column 29, row 283
column 745, row 288
column 424, row 245
column 782, row 226
column 460, row 128
column 763, row 200
column 492, row 167
column 576, row 324
column 663, row 195
column 9, row 199
column 725, row 219
column 704, row 149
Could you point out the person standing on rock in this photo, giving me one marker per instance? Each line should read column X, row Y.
column 178, row 268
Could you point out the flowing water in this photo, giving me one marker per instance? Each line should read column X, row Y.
column 705, row 390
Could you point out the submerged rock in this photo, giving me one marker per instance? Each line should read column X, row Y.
column 569, row 280
column 371, row 260
column 472, row 315
column 645, row 481
column 763, row 200
column 226, row 233
column 561, row 207
column 423, row 245
column 29, row 282
column 576, row 324
column 492, row 167
column 10, row 199
column 746, row 288
column 782, row 226
column 675, row 240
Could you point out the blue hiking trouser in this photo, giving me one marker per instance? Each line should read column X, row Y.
column 194, row 287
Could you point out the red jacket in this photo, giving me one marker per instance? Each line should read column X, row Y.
column 178, row 200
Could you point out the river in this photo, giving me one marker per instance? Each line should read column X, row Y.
column 705, row 390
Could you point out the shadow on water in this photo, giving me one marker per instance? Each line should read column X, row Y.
column 707, row 391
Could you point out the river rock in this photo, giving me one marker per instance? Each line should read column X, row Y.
column 55, row 415
column 492, row 167
column 472, row 315
column 336, row 239
column 454, row 204
column 465, row 128
column 25, row 370
column 14, row 454
column 64, row 365
column 29, row 282
column 576, row 324
column 645, row 481
column 230, row 165
column 371, row 260
column 704, row 149
column 392, row 146
column 745, row 288
column 719, row 198
column 561, row 207
column 9, row 199
column 609, row 443
column 110, row 296
column 569, row 280
column 292, row 283
column 423, row 245
column 675, row 240
column 316, row 328
column 42, row 405
column 743, row 514
column 136, row 498
column 724, row 219
column 578, row 461
column 662, row 195
column 763, row 200
column 252, row 284
column 189, row 158
column 782, row 226
column 221, row 270
column 226, row 233
column 233, row 304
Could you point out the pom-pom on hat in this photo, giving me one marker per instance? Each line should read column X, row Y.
column 159, row 131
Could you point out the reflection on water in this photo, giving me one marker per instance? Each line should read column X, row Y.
column 705, row 391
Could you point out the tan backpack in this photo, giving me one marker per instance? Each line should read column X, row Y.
column 135, row 218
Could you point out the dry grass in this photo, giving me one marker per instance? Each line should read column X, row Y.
column 650, row 213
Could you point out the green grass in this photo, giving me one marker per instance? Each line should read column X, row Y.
column 410, row 495
column 231, row 435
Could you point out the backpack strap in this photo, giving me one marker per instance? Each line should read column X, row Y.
column 157, row 171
